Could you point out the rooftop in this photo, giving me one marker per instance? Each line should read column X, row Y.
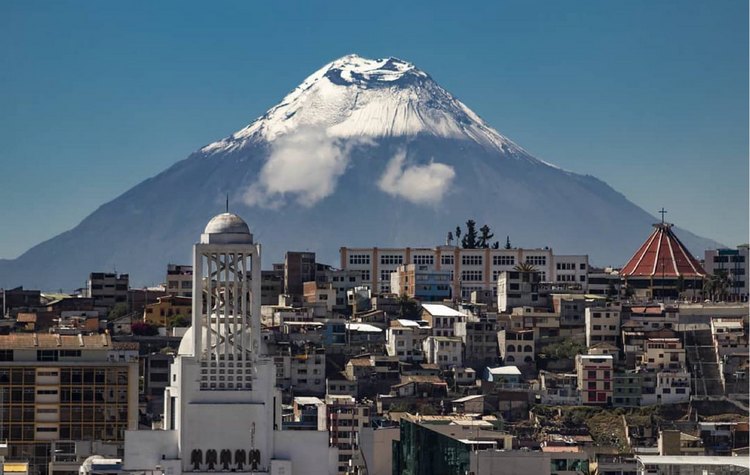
column 440, row 310
column 20, row 341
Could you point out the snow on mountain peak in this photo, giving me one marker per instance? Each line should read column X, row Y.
column 356, row 97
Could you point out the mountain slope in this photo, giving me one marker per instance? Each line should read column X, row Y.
column 362, row 153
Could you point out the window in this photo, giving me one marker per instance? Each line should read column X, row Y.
column 422, row 259
column 503, row 260
column 391, row 259
column 583, row 266
column 385, row 275
column 365, row 275
column 536, row 260
column 446, row 259
column 471, row 260
column 6, row 355
column 46, row 355
column 355, row 259
column 471, row 275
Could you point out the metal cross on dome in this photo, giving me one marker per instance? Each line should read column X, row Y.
column 662, row 211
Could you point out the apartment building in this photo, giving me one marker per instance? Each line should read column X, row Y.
column 179, row 281
column 602, row 324
column 65, row 387
column 470, row 269
column 595, row 378
column 421, row 282
column 444, row 351
column 442, row 318
column 345, row 419
column 163, row 312
column 734, row 263
column 404, row 339
column 516, row 346
column 107, row 289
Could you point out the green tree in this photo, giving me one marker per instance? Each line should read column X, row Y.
column 507, row 243
column 118, row 311
column 485, row 236
column 408, row 308
column 144, row 329
column 470, row 239
column 524, row 267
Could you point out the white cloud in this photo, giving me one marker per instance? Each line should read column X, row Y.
column 306, row 164
column 420, row 184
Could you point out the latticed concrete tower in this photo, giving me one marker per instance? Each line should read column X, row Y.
column 226, row 290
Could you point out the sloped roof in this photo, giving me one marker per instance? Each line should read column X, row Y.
column 440, row 310
column 662, row 254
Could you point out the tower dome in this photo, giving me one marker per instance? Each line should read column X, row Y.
column 226, row 223
column 227, row 228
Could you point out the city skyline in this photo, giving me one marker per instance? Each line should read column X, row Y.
column 638, row 95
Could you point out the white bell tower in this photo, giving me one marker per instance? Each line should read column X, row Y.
column 226, row 307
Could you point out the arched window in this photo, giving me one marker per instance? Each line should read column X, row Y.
column 529, row 359
column 510, row 358
column 511, row 348
column 527, row 349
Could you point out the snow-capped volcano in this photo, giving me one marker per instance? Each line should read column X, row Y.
column 362, row 153
column 359, row 97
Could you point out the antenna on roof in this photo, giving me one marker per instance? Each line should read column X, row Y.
column 227, row 204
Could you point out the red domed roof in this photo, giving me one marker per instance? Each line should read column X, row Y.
column 663, row 255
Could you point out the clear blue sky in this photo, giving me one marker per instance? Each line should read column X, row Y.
column 650, row 96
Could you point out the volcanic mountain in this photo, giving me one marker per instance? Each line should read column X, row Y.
column 362, row 153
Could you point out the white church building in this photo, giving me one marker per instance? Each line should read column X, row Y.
column 222, row 408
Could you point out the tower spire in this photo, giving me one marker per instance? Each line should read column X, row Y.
column 662, row 211
column 227, row 205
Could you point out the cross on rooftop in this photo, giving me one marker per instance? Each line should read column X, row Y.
column 662, row 212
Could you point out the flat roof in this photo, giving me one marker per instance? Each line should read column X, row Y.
column 743, row 462
column 308, row 400
column 363, row 327
column 19, row 341
column 440, row 310
column 468, row 398
column 509, row 370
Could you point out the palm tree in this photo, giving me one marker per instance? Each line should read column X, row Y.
column 524, row 267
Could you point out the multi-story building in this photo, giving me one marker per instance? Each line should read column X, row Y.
column 179, row 281
column 470, row 269
column 605, row 281
column 404, row 339
column 734, row 263
column 303, row 371
column 663, row 354
column 342, row 281
column 299, row 267
column 444, row 351
column 602, row 324
column 345, row 419
column 480, row 341
column 271, row 285
column 627, row 388
column 323, row 294
column 518, row 289
column 442, row 318
column 595, row 378
column 729, row 336
column 107, row 289
column 166, row 309
column 422, row 282
column 65, row 387
column 516, row 346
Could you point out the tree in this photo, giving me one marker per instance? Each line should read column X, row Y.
column 524, row 267
column 458, row 233
column 485, row 236
column 118, row 311
column 507, row 242
column 144, row 329
column 496, row 245
column 408, row 308
column 470, row 239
